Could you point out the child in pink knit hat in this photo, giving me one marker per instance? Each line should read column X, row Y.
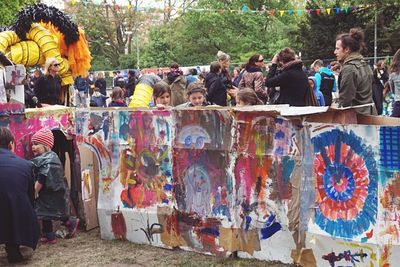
column 50, row 187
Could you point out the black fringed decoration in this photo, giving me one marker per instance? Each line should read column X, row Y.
column 42, row 12
column 5, row 61
column 4, row 28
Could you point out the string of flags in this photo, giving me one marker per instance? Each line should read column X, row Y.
column 244, row 9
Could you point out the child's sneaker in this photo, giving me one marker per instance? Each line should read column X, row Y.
column 72, row 226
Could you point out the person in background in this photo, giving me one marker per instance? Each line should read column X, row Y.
column 253, row 77
column 202, row 77
column 318, row 94
column 117, row 98
column 91, row 81
column 130, row 86
column 98, row 99
column 381, row 76
column 292, row 80
column 236, row 77
column 101, row 83
column 18, row 223
column 192, row 77
column 30, row 98
column 325, row 81
column 177, row 82
column 225, row 61
column 196, row 93
column 161, row 95
column 115, row 74
column 52, row 202
column 394, row 83
column 355, row 78
column 119, row 80
column 216, row 90
column 81, row 86
column 47, row 88
column 35, row 77
column 247, row 97
column 160, row 74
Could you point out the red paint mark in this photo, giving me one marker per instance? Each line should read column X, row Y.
column 118, row 225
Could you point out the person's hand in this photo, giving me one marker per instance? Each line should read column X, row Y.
column 160, row 106
column 233, row 92
column 275, row 59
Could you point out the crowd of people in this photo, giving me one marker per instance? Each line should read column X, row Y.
column 349, row 81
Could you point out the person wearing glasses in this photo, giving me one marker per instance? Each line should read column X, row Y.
column 253, row 77
column 47, row 88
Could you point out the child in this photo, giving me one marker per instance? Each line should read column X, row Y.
column 318, row 94
column 247, row 97
column 161, row 95
column 196, row 93
column 117, row 98
column 98, row 99
column 50, row 187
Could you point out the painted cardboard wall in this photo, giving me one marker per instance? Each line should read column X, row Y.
column 269, row 187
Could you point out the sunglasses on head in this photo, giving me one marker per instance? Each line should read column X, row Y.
column 56, row 65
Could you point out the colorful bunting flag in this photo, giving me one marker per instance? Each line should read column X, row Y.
column 243, row 9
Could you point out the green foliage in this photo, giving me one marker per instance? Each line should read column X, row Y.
column 317, row 33
column 101, row 63
column 9, row 10
column 195, row 37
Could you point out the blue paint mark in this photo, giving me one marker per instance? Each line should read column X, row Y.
column 222, row 210
column 270, row 227
column 279, row 135
column 287, row 167
column 248, row 222
column 165, row 201
column 279, row 151
column 210, row 231
column 188, row 141
column 168, row 187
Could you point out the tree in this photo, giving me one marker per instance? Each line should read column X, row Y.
column 9, row 10
column 109, row 28
column 317, row 33
column 195, row 37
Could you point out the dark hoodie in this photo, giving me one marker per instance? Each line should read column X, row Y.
column 216, row 89
column 293, row 83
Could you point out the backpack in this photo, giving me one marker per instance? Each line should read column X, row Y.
column 327, row 82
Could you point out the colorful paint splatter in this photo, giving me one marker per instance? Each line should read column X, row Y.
column 346, row 184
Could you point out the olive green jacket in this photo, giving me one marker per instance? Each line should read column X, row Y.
column 355, row 84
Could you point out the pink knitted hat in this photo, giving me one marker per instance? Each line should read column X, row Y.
column 44, row 137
